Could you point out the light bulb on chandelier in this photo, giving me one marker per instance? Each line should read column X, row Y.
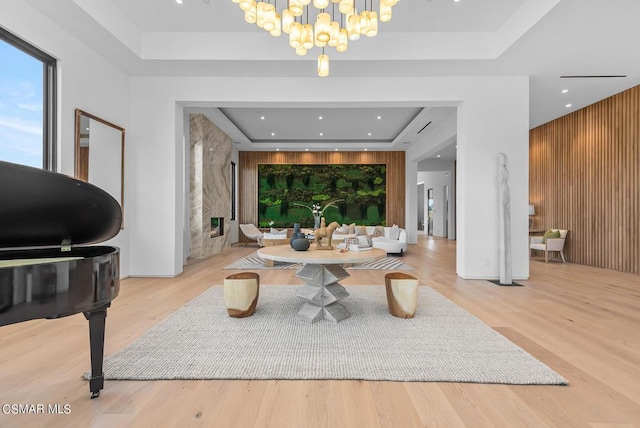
column 321, row 23
column 323, row 64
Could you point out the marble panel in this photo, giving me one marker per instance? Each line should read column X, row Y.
column 210, row 185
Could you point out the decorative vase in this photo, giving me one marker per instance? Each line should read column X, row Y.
column 295, row 234
column 300, row 244
column 316, row 222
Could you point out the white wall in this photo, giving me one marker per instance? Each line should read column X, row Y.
column 85, row 81
column 492, row 118
column 485, row 129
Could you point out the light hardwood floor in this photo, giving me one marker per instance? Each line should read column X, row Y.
column 583, row 322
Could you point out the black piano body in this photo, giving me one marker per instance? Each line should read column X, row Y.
column 42, row 273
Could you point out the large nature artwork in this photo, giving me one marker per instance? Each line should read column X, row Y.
column 289, row 194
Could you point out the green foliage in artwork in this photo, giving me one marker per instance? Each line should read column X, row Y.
column 320, row 198
column 342, row 184
column 358, row 191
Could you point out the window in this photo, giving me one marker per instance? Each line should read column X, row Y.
column 27, row 103
column 233, row 191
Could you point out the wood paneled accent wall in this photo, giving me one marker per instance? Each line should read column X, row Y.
column 248, row 176
column 585, row 177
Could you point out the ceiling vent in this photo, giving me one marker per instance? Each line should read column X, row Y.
column 424, row 127
column 603, row 76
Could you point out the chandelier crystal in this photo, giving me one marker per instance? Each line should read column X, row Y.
column 321, row 23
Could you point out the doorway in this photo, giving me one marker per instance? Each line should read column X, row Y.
column 421, row 207
column 430, row 212
column 445, row 212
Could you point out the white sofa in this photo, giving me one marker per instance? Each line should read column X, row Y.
column 390, row 245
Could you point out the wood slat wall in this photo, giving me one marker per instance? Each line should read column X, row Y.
column 248, row 177
column 585, row 177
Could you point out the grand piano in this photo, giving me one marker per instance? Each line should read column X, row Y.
column 43, row 273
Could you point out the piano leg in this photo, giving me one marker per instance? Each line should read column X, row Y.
column 96, row 318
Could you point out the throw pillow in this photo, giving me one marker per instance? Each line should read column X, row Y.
column 378, row 231
column 361, row 230
column 342, row 230
column 275, row 231
column 365, row 239
column 394, row 233
column 352, row 229
column 563, row 232
column 549, row 234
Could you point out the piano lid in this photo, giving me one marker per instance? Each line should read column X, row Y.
column 43, row 208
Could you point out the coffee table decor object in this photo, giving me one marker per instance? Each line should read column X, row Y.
column 324, row 232
column 300, row 244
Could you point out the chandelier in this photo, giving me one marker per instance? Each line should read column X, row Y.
column 336, row 23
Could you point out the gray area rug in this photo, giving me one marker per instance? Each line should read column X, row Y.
column 253, row 262
column 442, row 343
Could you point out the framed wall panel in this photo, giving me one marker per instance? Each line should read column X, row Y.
column 248, row 176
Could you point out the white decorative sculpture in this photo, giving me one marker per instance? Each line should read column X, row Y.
column 504, row 198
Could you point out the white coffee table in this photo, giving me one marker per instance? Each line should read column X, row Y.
column 321, row 272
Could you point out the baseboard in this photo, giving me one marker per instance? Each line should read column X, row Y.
column 493, row 278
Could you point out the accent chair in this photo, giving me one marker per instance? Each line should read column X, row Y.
column 252, row 233
column 549, row 244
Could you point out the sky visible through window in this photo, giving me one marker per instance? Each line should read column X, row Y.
column 21, row 79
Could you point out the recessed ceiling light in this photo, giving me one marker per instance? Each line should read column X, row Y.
column 273, row 134
column 179, row 1
column 438, row 156
column 568, row 105
column 87, row 129
column 336, row 149
column 366, row 150
column 261, row 117
column 379, row 117
column 306, row 150
column 564, row 91
column 319, row 117
column 369, row 134
column 277, row 150
column 321, row 134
